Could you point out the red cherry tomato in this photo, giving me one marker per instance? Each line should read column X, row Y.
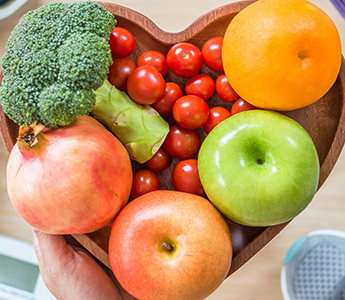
column 144, row 181
column 182, row 143
column 165, row 105
column 155, row 59
column 185, row 177
column 212, row 53
column 119, row 72
column 146, row 85
column 190, row 112
column 200, row 85
column 184, row 59
column 224, row 89
column 121, row 42
column 159, row 161
column 217, row 115
column 241, row 105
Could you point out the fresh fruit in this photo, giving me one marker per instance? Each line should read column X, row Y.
column 184, row 59
column 259, row 168
column 165, row 105
column 185, row 177
column 119, row 72
column 190, row 112
column 145, row 85
column 217, row 115
column 241, row 105
column 212, row 53
column 201, row 85
column 281, row 54
column 170, row 245
column 74, row 179
column 224, row 90
column 144, row 181
column 158, row 162
column 122, row 42
column 182, row 143
column 155, row 59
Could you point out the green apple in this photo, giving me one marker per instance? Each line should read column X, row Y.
column 170, row 245
column 259, row 168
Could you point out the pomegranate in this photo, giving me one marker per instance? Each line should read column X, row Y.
column 69, row 180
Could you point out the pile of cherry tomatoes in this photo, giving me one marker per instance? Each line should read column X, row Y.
column 144, row 82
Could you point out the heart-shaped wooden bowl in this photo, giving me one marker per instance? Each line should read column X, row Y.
column 324, row 120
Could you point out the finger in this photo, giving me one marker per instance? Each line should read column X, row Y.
column 48, row 247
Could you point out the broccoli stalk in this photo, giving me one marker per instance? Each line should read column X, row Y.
column 140, row 128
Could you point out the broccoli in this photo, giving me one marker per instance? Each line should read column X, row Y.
column 139, row 127
column 55, row 57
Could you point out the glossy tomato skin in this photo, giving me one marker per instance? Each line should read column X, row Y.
column 190, row 112
column 159, row 161
column 145, row 85
column 217, row 115
column 241, row 105
column 185, row 177
column 121, row 42
column 212, row 53
column 144, row 181
column 224, row 90
column 184, row 59
column 173, row 92
column 200, row 85
column 182, row 143
column 155, row 59
column 119, row 72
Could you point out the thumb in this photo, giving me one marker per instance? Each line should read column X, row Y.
column 48, row 246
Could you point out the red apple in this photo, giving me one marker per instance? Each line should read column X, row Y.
column 170, row 245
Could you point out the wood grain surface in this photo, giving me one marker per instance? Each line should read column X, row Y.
column 323, row 120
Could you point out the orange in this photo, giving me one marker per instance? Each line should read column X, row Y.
column 281, row 54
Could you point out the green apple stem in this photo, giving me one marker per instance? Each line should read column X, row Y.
column 260, row 161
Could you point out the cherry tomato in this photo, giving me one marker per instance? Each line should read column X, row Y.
column 119, row 72
column 146, row 85
column 165, row 105
column 182, row 143
column 121, row 42
column 217, row 115
column 241, row 105
column 190, row 112
column 212, row 53
column 159, row 161
column 200, row 85
column 184, row 59
column 155, row 59
column 185, row 177
column 224, row 89
column 144, row 181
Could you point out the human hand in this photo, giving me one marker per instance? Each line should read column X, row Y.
column 70, row 273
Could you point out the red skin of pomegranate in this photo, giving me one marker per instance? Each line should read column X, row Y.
column 75, row 180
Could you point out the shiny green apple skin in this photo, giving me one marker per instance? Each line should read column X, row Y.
column 259, row 168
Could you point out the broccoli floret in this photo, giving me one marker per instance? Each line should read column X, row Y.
column 55, row 57
column 65, row 106
column 77, row 61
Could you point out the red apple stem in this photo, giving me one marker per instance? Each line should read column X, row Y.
column 168, row 246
